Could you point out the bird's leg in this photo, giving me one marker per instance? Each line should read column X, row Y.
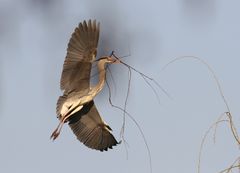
column 71, row 111
column 74, row 110
column 62, row 122
column 56, row 132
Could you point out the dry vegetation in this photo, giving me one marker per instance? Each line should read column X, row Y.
column 226, row 117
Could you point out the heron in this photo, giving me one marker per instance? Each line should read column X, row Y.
column 76, row 105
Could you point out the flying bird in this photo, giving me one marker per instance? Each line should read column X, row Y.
column 76, row 105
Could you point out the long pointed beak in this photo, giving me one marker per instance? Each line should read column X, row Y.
column 117, row 61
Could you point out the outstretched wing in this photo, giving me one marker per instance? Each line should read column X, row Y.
column 81, row 52
column 90, row 129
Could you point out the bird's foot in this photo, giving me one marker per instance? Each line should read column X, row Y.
column 55, row 134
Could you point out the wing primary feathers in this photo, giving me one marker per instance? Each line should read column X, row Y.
column 91, row 130
column 90, row 26
column 81, row 48
column 85, row 27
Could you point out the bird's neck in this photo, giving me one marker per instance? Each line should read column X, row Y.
column 102, row 76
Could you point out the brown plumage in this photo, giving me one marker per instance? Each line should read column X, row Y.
column 89, row 128
column 76, row 105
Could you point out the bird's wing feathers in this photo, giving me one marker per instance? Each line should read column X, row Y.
column 60, row 103
column 91, row 130
column 86, row 124
column 81, row 52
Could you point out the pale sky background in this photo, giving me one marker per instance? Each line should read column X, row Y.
column 33, row 41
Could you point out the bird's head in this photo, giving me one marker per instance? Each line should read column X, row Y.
column 109, row 59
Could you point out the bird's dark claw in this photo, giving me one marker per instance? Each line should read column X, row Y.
column 55, row 134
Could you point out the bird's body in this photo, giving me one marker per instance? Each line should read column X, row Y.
column 76, row 105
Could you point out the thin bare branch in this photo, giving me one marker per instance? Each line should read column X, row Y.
column 125, row 104
column 233, row 129
column 209, row 68
column 135, row 122
column 112, row 78
column 144, row 77
column 215, row 128
column 233, row 166
column 228, row 113
column 203, row 141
